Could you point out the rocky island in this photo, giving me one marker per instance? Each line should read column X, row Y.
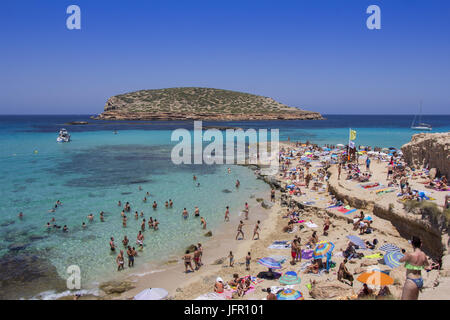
column 192, row 103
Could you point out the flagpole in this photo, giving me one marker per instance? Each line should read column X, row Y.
column 348, row 150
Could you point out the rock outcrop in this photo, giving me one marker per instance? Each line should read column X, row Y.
column 432, row 149
column 199, row 104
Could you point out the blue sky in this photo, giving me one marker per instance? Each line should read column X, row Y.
column 317, row 55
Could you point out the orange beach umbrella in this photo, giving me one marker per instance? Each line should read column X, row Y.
column 375, row 278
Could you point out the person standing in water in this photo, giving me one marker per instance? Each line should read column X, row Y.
column 197, row 212
column 227, row 214
column 112, row 245
column 187, row 261
column 415, row 262
column 203, row 222
column 119, row 261
column 246, row 211
column 130, row 255
column 185, row 213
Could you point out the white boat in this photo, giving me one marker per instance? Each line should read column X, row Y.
column 420, row 125
column 63, row 136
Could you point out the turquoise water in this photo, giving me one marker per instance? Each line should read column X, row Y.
column 98, row 168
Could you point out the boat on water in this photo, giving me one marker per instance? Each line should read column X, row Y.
column 420, row 126
column 63, row 136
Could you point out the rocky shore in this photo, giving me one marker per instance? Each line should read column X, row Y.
column 431, row 149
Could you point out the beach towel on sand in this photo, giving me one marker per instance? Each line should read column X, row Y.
column 280, row 245
column 311, row 224
column 374, row 256
column 307, row 254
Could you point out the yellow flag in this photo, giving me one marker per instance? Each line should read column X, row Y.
column 352, row 134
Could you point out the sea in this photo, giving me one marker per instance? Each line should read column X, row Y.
column 108, row 161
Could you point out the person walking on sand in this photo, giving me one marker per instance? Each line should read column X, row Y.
column 256, row 230
column 248, row 259
column 298, row 258
column 326, row 226
column 339, row 171
column 231, row 257
column 187, row 261
column 239, row 230
column 119, row 261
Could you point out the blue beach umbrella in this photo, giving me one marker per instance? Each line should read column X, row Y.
column 289, row 294
column 357, row 240
column 388, row 247
column 270, row 263
column 322, row 249
column 391, row 259
column 290, row 278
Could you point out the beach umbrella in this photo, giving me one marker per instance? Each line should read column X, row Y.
column 375, row 278
column 322, row 249
column 391, row 259
column 270, row 263
column 340, row 145
column 290, row 278
column 289, row 294
column 152, row 294
column 389, row 247
column 357, row 240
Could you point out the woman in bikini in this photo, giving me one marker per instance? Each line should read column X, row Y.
column 187, row 261
column 415, row 262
